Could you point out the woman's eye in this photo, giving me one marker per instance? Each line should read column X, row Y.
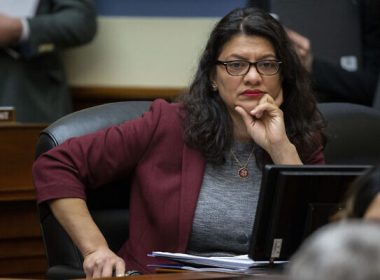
column 266, row 64
column 237, row 64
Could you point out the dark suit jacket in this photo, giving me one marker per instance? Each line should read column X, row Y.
column 35, row 83
column 166, row 178
column 337, row 84
column 333, row 83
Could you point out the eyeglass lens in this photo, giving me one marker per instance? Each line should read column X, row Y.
column 241, row 67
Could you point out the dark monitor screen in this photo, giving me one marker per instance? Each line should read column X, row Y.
column 294, row 201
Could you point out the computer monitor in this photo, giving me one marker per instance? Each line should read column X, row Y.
column 294, row 201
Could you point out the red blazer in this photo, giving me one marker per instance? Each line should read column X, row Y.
column 166, row 180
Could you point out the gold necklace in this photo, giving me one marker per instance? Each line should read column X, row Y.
column 243, row 168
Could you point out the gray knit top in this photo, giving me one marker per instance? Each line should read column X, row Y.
column 226, row 206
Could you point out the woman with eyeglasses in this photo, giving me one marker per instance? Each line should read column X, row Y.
column 195, row 164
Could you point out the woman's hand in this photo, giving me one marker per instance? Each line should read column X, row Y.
column 302, row 46
column 10, row 30
column 102, row 263
column 99, row 260
column 265, row 124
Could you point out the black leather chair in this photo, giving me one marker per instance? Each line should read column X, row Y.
column 376, row 97
column 353, row 133
column 108, row 206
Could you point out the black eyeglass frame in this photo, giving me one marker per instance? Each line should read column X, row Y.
column 225, row 64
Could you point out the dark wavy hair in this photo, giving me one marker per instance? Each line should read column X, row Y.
column 361, row 194
column 207, row 123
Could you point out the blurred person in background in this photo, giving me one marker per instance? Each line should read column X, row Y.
column 32, row 74
column 333, row 83
column 348, row 250
column 363, row 198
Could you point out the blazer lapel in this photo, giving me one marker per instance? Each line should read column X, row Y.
column 193, row 167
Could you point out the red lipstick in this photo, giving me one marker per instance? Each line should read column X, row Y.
column 253, row 93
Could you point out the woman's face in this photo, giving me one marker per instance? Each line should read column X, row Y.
column 373, row 210
column 247, row 90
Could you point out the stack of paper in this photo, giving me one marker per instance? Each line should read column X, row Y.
column 241, row 262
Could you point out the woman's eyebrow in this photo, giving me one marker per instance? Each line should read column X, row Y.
column 243, row 57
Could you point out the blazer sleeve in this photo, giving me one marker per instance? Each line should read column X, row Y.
column 316, row 155
column 95, row 159
column 60, row 24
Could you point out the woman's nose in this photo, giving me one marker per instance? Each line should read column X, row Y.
column 252, row 75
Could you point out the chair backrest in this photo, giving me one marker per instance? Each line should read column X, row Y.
column 376, row 97
column 108, row 205
column 353, row 133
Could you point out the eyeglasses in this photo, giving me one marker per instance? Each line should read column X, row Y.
column 242, row 67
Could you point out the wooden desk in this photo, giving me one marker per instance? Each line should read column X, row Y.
column 200, row 276
column 205, row 275
column 187, row 276
column 21, row 250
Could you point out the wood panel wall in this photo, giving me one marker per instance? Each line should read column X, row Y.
column 84, row 97
column 21, row 249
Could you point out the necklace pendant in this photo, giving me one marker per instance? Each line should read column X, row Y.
column 243, row 172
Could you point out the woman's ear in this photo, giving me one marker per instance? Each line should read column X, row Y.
column 212, row 81
column 214, row 86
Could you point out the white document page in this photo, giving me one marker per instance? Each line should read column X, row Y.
column 19, row 8
column 237, row 262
